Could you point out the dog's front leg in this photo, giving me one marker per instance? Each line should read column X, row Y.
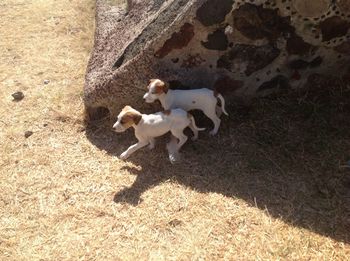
column 132, row 149
column 152, row 143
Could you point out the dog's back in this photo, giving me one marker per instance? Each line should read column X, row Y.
column 159, row 123
column 192, row 99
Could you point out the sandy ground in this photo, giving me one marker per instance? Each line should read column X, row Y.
column 273, row 185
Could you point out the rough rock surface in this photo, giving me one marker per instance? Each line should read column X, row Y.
column 253, row 47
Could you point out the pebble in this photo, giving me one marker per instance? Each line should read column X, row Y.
column 27, row 134
column 17, row 96
column 46, row 81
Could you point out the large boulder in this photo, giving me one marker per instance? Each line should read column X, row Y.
column 248, row 48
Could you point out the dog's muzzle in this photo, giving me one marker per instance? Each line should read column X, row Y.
column 147, row 98
column 118, row 127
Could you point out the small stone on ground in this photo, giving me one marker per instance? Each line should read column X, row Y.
column 18, row 96
column 27, row 134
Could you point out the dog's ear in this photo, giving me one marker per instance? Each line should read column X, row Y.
column 130, row 118
column 136, row 117
column 164, row 86
column 150, row 81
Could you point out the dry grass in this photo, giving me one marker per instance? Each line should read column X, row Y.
column 271, row 186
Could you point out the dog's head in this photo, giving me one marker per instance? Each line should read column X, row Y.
column 127, row 117
column 156, row 88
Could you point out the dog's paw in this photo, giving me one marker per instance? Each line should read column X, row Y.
column 213, row 133
column 174, row 158
column 194, row 138
column 151, row 146
column 124, row 156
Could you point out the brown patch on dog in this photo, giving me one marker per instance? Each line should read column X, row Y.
column 159, row 87
column 167, row 112
column 130, row 118
column 137, row 118
column 165, row 87
column 157, row 90
column 189, row 115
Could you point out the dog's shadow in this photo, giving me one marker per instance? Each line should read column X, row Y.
column 281, row 156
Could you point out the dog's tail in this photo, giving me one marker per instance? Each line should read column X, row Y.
column 224, row 85
column 193, row 123
column 222, row 103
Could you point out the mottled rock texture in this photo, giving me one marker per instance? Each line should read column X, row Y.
column 247, row 48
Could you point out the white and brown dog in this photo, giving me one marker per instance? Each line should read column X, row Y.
column 149, row 126
column 197, row 99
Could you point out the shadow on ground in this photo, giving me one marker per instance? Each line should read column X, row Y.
column 287, row 154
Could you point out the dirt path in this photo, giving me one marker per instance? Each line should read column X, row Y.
column 62, row 198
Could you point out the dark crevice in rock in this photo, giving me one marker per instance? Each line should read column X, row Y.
column 298, row 64
column 256, row 22
column 256, row 57
column 333, row 27
column 279, row 82
column 177, row 40
column 214, row 11
column 316, row 62
column 226, row 85
column 216, row 41
column 343, row 48
column 119, row 62
column 296, row 45
column 178, row 85
column 303, row 65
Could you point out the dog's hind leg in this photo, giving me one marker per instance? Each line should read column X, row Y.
column 152, row 143
column 194, row 130
column 211, row 114
column 178, row 133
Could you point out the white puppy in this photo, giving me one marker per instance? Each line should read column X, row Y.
column 149, row 126
column 200, row 99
